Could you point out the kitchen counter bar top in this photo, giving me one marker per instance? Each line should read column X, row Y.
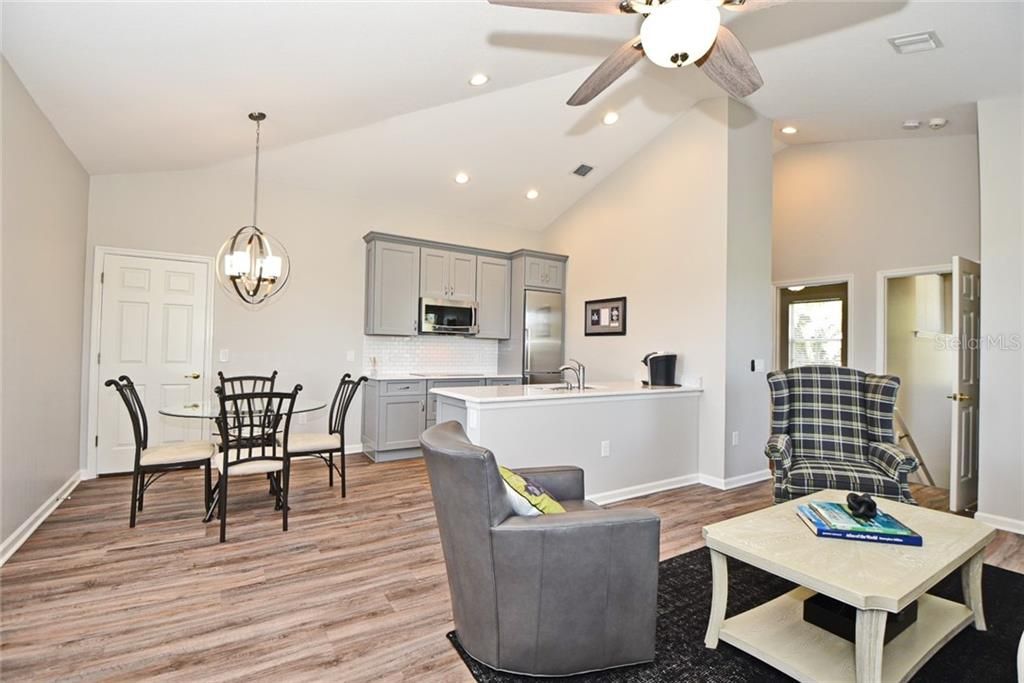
column 411, row 376
column 548, row 392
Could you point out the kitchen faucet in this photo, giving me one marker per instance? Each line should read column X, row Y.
column 580, row 370
column 575, row 371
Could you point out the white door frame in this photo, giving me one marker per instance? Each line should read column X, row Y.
column 94, row 386
column 882, row 302
column 779, row 285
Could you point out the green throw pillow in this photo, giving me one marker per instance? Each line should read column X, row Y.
column 528, row 498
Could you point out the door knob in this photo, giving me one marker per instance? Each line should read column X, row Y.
column 194, row 375
column 959, row 397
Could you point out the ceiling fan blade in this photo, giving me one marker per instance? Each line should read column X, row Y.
column 729, row 65
column 588, row 6
column 750, row 5
column 617, row 63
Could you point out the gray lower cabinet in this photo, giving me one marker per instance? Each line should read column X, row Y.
column 402, row 420
column 395, row 413
column 504, row 381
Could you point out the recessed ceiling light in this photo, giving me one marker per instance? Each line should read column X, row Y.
column 788, row 130
column 611, row 118
column 797, row 288
column 909, row 43
column 911, row 124
column 461, row 178
column 479, row 79
column 937, row 123
column 532, row 194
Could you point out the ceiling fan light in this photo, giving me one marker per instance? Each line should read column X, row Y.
column 680, row 32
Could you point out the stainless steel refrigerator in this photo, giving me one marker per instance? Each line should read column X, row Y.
column 542, row 337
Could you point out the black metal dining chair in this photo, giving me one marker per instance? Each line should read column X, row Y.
column 152, row 463
column 326, row 446
column 248, row 424
column 244, row 384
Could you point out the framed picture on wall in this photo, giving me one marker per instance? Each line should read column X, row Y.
column 605, row 317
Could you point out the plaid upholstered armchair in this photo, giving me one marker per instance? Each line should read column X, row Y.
column 833, row 428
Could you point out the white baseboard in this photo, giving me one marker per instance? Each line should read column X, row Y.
column 737, row 481
column 1010, row 524
column 353, row 448
column 643, row 489
column 22, row 533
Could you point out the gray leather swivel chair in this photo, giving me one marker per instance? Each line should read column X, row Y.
column 552, row 595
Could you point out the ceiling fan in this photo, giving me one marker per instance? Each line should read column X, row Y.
column 674, row 33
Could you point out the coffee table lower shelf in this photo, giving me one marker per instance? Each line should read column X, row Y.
column 777, row 634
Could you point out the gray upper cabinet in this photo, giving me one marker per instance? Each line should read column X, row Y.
column 392, row 288
column 463, row 277
column 447, row 274
column 493, row 295
column 542, row 273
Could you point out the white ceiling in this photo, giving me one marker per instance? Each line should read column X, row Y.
column 160, row 86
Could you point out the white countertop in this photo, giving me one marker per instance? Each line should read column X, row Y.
column 544, row 392
column 410, row 376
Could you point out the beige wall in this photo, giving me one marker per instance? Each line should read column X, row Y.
column 657, row 231
column 45, row 198
column 320, row 219
column 925, row 366
column 861, row 207
column 1001, row 464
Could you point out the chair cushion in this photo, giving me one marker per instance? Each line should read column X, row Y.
column 299, row 442
column 810, row 476
column 174, row 453
column 527, row 497
column 248, row 466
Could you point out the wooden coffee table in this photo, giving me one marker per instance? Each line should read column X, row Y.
column 872, row 577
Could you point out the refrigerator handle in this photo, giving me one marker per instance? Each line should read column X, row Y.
column 526, row 347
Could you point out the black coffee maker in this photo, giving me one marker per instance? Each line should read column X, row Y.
column 661, row 369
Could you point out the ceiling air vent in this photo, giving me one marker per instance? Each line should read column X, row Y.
column 582, row 170
column 915, row 42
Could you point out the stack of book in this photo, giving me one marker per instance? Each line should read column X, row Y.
column 833, row 520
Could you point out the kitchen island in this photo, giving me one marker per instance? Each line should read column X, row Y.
column 630, row 439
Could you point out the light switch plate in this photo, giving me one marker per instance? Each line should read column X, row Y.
column 224, row 355
column 350, row 356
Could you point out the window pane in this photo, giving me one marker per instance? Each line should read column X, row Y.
column 816, row 333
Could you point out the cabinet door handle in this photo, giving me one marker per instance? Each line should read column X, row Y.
column 423, row 406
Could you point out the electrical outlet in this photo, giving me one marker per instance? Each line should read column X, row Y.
column 606, row 449
column 350, row 356
column 735, row 438
column 224, row 355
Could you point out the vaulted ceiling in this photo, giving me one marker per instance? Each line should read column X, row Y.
column 140, row 87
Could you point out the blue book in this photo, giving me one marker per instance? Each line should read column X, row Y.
column 817, row 523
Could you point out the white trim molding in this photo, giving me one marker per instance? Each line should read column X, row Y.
column 1010, row 524
column 28, row 527
column 737, row 481
column 644, row 489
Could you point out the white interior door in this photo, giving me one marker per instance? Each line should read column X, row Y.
column 153, row 329
column 963, row 472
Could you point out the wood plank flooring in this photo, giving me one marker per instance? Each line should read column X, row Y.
column 354, row 591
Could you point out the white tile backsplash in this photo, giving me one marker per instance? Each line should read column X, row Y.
column 430, row 354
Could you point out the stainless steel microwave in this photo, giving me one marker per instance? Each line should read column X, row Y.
column 448, row 316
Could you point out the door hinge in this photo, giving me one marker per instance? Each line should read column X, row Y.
column 102, row 277
column 98, row 356
column 97, row 441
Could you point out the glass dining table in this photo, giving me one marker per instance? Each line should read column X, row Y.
column 210, row 410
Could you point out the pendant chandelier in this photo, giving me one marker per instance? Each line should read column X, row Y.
column 252, row 265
